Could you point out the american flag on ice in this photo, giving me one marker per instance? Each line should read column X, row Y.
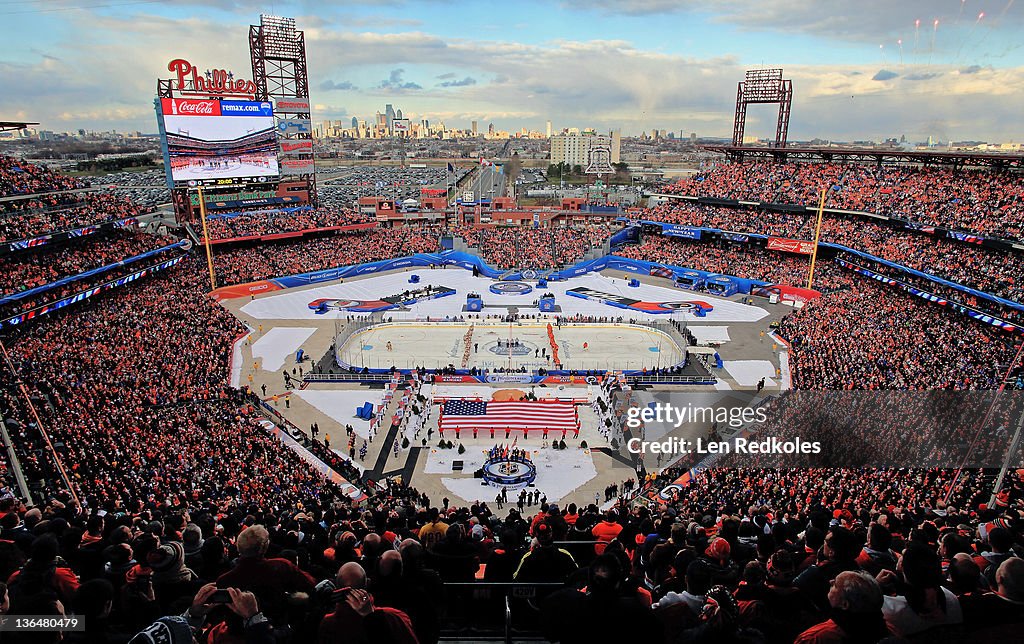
column 467, row 414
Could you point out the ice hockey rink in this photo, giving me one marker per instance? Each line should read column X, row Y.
column 293, row 304
column 407, row 345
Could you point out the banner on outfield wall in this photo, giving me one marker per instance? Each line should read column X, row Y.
column 453, row 258
column 791, row 245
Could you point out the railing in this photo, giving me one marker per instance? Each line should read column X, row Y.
column 493, row 611
column 347, row 377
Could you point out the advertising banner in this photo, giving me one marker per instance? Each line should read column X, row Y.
column 291, row 167
column 294, row 126
column 289, row 105
column 791, row 245
column 296, row 147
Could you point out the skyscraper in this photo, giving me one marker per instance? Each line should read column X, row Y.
column 473, row 128
column 389, row 116
column 355, row 122
column 548, row 131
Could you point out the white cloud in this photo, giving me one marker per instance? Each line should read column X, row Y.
column 106, row 78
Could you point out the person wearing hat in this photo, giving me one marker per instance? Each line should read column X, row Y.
column 171, row 578
column 606, row 530
column 545, row 562
column 166, row 630
column 192, row 541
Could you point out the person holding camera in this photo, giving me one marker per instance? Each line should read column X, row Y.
column 355, row 619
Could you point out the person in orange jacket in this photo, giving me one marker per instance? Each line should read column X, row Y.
column 605, row 531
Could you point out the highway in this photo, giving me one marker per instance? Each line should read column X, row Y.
column 487, row 183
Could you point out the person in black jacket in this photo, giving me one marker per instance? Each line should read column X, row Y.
column 545, row 562
column 605, row 612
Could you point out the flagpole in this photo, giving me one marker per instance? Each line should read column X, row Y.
column 206, row 239
column 817, row 234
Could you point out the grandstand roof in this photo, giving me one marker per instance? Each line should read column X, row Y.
column 14, row 125
column 926, row 157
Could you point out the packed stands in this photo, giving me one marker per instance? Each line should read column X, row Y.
column 18, row 177
column 997, row 272
column 536, row 248
column 987, row 203
column 88, row 209
column 733, row 259
column 258, row 223
column 38, row 267
column 873, row 337
column 181, row 491
column 276, row 259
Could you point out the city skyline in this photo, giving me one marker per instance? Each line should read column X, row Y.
column 860, row 70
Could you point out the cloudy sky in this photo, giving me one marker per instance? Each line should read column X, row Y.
column 860, row 68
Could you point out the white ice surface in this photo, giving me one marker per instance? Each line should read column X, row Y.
column 748, row 372
column 709, row 333
column 277, row 344
column 340, row 406
column 293, row 304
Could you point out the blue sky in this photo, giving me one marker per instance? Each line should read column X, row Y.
column 629, row 64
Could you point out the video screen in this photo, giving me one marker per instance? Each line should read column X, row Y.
column 214, row 140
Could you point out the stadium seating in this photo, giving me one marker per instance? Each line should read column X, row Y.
column 1000, row 273
column 250, row 263
column 506, row 248
column 255, row 224
column 982, row 202
column 181, row 490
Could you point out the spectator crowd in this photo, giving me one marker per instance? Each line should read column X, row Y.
column 985, row 202
column 258, row 223
column 521, row 247
column 250, row 263
column 997, row 272
column 165, row 512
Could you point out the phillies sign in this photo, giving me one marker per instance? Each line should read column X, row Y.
column 216, row 82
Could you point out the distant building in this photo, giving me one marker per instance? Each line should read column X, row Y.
column 548, row 131
column 574, row 149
